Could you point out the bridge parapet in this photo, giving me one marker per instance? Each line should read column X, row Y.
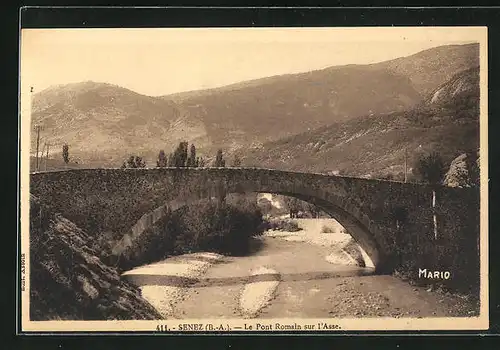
column 116, row 200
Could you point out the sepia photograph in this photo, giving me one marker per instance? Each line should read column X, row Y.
column 253, row 179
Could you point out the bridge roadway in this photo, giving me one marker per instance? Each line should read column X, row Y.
column 126, row 202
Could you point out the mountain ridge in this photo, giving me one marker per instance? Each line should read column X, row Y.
column 105, row 123
column 391, row 63
column 369, row 146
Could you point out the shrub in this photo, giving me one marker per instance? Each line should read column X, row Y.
column 134, row 162
column 282, row 225
column 456, row 249
column 327, row 229
column 206, row 226
column 430, row 168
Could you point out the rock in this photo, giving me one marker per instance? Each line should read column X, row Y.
column 65, row 268
column 463, row 171
column 88, row 288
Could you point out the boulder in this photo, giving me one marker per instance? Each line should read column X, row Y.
column 463, row 171
column 68, row 281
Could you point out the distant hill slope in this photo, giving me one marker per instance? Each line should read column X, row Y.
column 430, row 68
column 290, row 104
column 274, row 107
column 446, row 121
column 103, row 123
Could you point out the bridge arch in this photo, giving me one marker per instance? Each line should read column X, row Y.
column 346, row 212
column 125, row 201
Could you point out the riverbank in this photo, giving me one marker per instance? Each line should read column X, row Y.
column 291, row 276
column 68, row 281
column 164, row 283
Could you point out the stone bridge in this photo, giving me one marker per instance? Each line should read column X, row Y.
column 125, row 202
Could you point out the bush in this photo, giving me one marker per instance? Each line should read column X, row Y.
column 282, row 225
column 206, row 226
column 456, row 249
column 327, row 229
column 430, row 168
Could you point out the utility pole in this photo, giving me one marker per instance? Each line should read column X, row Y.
column 47, row 156
column 37, row 144
column 42, row 154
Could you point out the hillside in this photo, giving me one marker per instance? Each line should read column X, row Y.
column 446, row 121
column 430, row 68
column 103, row 123
column 271, row 108
column 291, row 104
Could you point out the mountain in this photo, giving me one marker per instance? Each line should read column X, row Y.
column 430, row 68
column 446, row 121
column 285, row 105
column 104, row 124
column 271, row 108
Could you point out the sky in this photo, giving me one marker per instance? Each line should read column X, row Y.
column 163, row 61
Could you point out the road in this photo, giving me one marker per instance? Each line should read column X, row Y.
column 288, row 275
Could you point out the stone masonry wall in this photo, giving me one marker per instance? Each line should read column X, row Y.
column 379, row 212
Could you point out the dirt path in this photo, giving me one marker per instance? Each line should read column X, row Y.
column 292, row 278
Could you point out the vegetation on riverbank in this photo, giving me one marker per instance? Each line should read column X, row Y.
column 277, row 224
column 450, row 244
column 73, row 276
column 214, row 226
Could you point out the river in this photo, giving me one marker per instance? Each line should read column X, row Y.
column 302, row 274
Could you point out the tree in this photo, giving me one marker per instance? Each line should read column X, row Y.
column 293, row 206
column 134, row 162
column 180, row 155
column 236, row 161
column 430, row 168
column 65, row 153
column 183, row 153
column 162, row 161
column 219, row 160
column 311, row 209
column 192, row 156
column 139, row 162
